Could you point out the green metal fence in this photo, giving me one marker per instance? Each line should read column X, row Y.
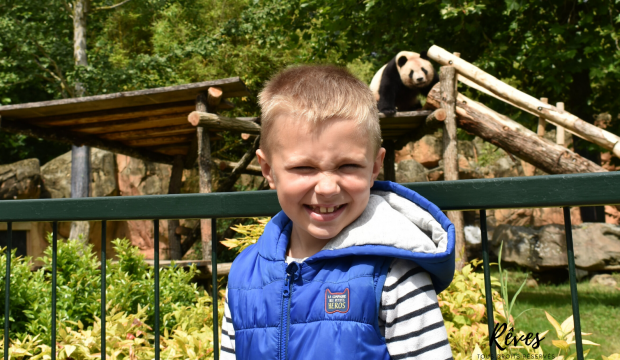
column 523, row 192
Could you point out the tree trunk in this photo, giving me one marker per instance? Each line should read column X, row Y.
column 80, row 156
column 204, row 174
column 447, row 76
column 513, row 137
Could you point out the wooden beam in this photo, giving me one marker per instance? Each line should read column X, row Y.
column 145, row 133
column 447, row 78
column 389, row 172
column 146, row 122
column 565, row 119
column 228, row 183
column 515, row 138
column 204, row 172
column 216, row 122
column 132, row 112
column 174, row 187
column 541, row 120
column 81, row 139
column 559, row 131
column 163, row 140
column 172, row 150
column 230, row 166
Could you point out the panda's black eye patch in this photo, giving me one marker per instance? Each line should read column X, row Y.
column 402, row 61
column 411, row 74
column 425, row 72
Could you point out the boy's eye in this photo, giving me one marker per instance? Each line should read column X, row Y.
column 350, row 166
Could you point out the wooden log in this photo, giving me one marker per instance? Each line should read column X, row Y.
column 559, row 131
column 567, row 120
column 174, row 187
column 514, row 138
column 220, row 123
column 204, row 172
column 231, row 165
column 67, row 137
column 214, row 97
column 447, row 78
column 542, row 123
column 228, row 183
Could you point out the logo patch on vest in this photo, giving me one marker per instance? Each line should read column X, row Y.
column 336, row 302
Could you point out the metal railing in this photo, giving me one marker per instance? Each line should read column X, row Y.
column 482, row 194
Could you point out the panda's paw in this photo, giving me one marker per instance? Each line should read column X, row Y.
column 388, row 112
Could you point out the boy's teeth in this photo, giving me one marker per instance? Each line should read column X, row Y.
column 331, row 209
column 323, row 210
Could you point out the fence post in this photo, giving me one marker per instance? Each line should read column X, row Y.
column 103, row 288
column 7, row 288
column 487, row 281
column 54, row 263
column 216, row 347
column 156, row 275
column 573, row 281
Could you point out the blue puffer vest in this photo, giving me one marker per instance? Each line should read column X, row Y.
column 327, row 306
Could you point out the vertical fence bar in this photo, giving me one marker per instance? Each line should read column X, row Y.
column 573, row 281
column 216, row 352
column 54, row 262
column 7, row 287
column 103, row 288
column 487, row 281
column 156, row 272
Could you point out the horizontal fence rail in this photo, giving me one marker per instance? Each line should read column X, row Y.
column 481, row 194
column 521, row 192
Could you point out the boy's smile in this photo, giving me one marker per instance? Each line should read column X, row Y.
column 323, row 174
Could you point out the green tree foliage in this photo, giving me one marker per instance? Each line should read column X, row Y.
column 564, row 50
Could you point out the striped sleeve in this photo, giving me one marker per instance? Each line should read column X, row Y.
column 410, row 316
column 227, row 345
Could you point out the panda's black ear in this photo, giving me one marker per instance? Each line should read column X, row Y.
column 402, row 61
column 424, row 55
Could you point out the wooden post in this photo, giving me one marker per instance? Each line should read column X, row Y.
column 206, row 103
column 389, row 173
column 447, row 79
column 560, row 133
column 541, row 120
column 176, row 180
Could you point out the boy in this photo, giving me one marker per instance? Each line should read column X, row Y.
column 344, row 271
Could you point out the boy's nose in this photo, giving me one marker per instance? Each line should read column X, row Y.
column 327, row 185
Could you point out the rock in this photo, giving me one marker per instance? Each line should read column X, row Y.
column 534, row 217
column 612, row 214
column 427, row 151
column 20, row 180
column 596, row 246
column 410, row 171
column 603, row 279
column 56, row 175
column 531, row 283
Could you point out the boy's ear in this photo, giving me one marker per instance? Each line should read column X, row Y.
column 378, row 164
column 265, row 168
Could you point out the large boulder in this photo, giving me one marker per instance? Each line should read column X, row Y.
column 427, row 151
column 532, row 217
column 410, row 171
column 20, row 180
column 57, row 175
column 596, row 246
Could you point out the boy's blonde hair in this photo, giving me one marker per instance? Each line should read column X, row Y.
column 318, row 93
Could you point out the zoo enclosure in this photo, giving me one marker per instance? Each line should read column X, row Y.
column 480, row 194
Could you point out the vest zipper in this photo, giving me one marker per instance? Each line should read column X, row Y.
column 285, row 320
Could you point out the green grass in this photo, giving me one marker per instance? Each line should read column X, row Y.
column 599, row 309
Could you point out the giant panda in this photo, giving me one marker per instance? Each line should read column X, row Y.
column 398, row 83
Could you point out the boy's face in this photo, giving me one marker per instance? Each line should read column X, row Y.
column 322, row 175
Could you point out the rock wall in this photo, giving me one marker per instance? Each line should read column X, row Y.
column 20, row 180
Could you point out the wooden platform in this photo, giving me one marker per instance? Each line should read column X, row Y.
column 402, row 123
column 150, row 124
